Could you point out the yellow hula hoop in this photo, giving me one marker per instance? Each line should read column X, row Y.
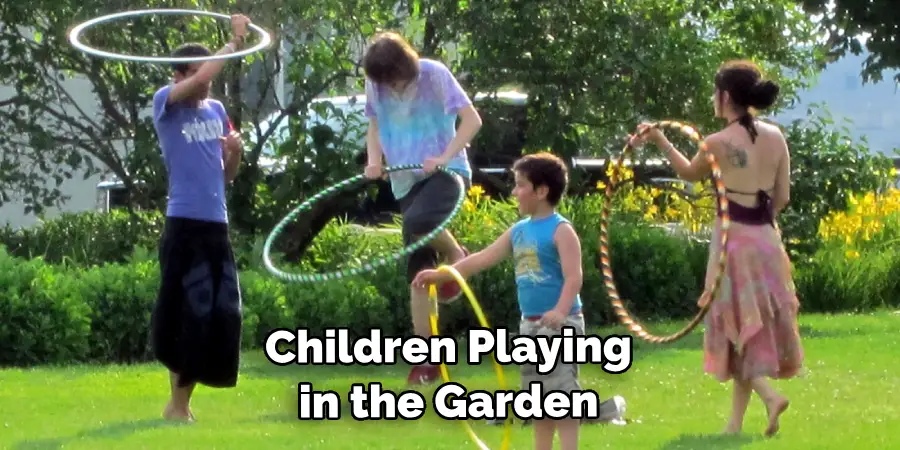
column 445, row 374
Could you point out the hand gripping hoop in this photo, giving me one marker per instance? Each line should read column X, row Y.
column 368, row 265
column 445, row 374
column 76, row 32
column 605, row 262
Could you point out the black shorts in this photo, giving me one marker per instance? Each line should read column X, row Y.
column 196, row 322
column 426, row 205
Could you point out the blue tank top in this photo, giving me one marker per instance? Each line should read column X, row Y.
column 539, row 275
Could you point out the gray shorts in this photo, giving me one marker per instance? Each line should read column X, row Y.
column 427, row 204
column 563, row 377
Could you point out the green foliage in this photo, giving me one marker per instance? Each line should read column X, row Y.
column 120, row 298
column 827, row 166
column 63, row 313
column 858, row 263
column 593, row 70
column 844, row 22
column 833, row 281
column 86, row 238
column 586, row 88
column 70, row 114
column 43, row 318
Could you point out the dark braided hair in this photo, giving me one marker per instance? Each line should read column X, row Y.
column 743, row 82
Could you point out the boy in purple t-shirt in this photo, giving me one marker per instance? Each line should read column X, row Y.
column 412, row 104
column 196, row 322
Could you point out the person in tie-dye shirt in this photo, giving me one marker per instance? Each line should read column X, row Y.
column 413, row 104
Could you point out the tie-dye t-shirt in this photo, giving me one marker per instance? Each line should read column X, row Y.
column 420, row 125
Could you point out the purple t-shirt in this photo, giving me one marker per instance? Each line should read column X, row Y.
column 192, row 152
column 414, row 129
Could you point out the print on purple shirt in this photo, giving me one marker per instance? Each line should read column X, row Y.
column 415, row 129
column 192, row 152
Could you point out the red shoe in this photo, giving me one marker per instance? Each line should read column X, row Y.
column 450, row 291
column 424, row 374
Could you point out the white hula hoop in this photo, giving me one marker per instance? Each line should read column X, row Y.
column 75, row 35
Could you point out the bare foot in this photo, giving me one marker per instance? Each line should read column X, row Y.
column 174, row 414
column 775, row 409
column 731, row 429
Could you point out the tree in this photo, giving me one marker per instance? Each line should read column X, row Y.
column 827, row 168
column 845, row 21
column 51, row 131
column 593, row 70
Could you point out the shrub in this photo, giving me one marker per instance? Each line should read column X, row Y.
column 827, row 168
column 43, row 319
column 871, row 222
column 87, row 238
column 839, row 280
column 265, row 306
column 689, row 206
column 665, row 283
column 120, row 299
column 857, row 267
column 62, row 313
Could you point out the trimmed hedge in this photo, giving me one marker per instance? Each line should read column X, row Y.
column 81, row 288
column 56, row 314
column 52, row 313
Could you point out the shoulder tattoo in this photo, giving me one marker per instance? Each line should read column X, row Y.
column 736, row 155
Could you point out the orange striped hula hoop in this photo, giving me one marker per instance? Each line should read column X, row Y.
column 606, row 266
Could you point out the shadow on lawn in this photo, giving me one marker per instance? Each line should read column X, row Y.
column 262, row 368
column 691, row 342
column 257, row 366
column 694, row 340
column 114, row 430
column 710, row 441
column 807, row 332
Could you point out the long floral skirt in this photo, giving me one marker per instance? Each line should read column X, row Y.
column 751, row 327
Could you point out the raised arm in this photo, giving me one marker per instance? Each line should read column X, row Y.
column 189, row 86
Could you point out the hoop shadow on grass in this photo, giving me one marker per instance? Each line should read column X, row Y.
column 643, row 349
column 708, row 441
column 116, row 430
column 811, row 332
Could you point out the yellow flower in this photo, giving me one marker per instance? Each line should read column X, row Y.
column 601, row 186
column 864, row 219
column 623, row 173
column 852, row 254
column 651, row 212
column 476, row 191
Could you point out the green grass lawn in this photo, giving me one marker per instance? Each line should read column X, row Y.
column 847, row 398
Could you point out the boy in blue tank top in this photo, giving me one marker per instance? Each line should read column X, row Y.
column 196, row 321
column 547, row 255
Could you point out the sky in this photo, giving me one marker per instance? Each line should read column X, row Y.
column 870, row 109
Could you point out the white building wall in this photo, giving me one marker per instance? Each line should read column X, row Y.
column 81, row 191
